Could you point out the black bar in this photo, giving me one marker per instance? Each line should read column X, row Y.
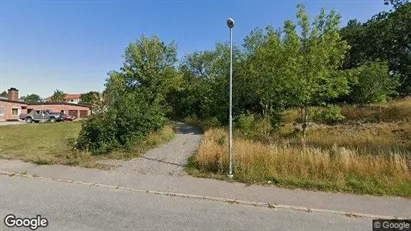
column 391, row 225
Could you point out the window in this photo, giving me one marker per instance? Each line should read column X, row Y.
column 15, row 111
column 1, row 110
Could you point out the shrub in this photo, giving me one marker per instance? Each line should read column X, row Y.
column 263, row 126
column 125, row 123
column 212, row 122
column 330, row 115
column 245, row 122
column 374, row 84
column 98, row 135
column 277, row 118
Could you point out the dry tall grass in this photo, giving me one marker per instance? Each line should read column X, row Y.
column 337, row 168
column 392, row 111
column 368, row 138
column 399, row 110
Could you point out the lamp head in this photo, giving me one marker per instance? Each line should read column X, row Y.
column 230, row 23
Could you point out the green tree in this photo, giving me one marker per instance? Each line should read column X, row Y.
column 264, row 73
column 89, row 97
column 374, row 84
column 58, row 96
column 188, row 98
column 395, row 3
column 205, row 88
column 32, row 98
column 134, row 96
column 384, row 37
column 93, row 99
column 4, row 94
column 216, row 104
column 315, row 58
column 356, row 35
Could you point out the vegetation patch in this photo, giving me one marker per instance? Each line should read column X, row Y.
column 335, row 168
column 47, row 144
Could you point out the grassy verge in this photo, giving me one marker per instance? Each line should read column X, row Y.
column 393, row 111
column 328, row 164
column 53, row 144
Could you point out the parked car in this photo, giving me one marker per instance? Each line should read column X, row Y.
column 41, row 116
column 66, row 117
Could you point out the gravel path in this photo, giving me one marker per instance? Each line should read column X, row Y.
column 167, row 159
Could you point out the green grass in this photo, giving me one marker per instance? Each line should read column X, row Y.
column 52, row 143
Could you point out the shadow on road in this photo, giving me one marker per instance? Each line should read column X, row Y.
column 187, row 129
column 161, row 161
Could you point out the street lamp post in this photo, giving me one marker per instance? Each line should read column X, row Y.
column 230, row 24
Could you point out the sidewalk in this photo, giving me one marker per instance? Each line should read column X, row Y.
column 381, row 206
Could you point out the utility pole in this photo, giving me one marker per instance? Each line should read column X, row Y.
column 230, row 24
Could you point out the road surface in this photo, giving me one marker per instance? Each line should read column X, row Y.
column 80, row 207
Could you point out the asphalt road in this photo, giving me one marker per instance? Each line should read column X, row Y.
column 81, row 207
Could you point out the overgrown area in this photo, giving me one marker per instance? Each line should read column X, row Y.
column 371, row 158
column 47, row 144
column 315, row 105
column 303, row 64
column 134, row 99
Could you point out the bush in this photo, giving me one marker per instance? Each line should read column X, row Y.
column 329, row 115
column 374, row 84
column 245, row 122
column 98, row 135
column 277, row 118
column 134, row 97
column 126, row 122
column 263, row 126
column 212, row 122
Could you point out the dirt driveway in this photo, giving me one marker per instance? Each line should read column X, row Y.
column 167, row 159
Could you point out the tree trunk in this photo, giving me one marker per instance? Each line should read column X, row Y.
column 304, row 112
column 263, row 108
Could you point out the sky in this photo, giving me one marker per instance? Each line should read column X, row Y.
column 71, row 45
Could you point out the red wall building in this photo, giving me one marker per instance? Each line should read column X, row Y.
column 11, row 107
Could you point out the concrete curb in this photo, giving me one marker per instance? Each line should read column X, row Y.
column 210, row 198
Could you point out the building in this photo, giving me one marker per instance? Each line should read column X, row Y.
column 68, row 98
column 11, row 107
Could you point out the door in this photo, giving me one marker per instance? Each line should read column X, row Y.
column 37, row 115
column 83, row 113
column 73, row 113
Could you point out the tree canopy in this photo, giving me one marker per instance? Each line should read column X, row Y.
column 307, row 62
column 58, row 96
column 385, row 37
column 3, row 94
column 31, row 98
column 135, row 97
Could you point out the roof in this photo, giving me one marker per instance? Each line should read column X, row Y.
column 12, row 101
column 72, row 96
column 69, row 96
column 62, row 103
column 43, row 103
